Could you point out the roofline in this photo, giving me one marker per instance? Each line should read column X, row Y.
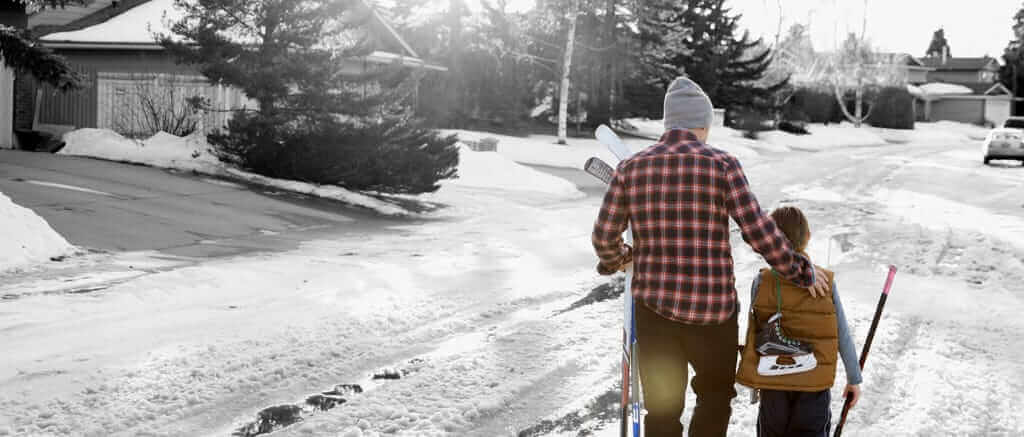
column 391, row 30
column 966, row 97
column 377, row 57
column 998, row 85
column 100, row 45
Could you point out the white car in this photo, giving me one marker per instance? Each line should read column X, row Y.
column 1005, row 142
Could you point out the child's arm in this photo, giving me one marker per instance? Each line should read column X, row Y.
column 847, row 350
column 754, row 285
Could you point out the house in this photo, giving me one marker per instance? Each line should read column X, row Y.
column 962, row 89
column 12, row 14
column 115, row 51
column 910, row 69
column 977, row 74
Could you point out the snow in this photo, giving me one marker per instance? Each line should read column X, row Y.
column 192, row 153
column 494, row 171
column 940, row 89
column 26, row 238
column 939, row 214
column 821, row 137
column 817, row 193
column 468, row 309
column 482, row 170
column 134, row 26
column 544, row 150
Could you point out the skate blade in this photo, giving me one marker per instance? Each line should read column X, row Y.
column 771, row 366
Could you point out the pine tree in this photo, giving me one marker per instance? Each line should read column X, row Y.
column 20, row 51
column 938, row 47
column 698, row 38
column 316, row 121
column 1011, row 73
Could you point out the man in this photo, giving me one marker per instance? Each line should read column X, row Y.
column 679, row 195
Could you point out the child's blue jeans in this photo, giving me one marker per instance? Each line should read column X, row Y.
column 794, row 414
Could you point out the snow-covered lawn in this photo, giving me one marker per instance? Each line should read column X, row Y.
column 194, row 154
column 476, row 169
column 26, row 238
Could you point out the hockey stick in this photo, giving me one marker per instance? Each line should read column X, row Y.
column 630, row 371
column 867, row 343
column 599, row 169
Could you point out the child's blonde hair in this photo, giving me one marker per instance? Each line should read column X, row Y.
column 793, row 224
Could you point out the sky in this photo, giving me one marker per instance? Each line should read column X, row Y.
column 973, row 28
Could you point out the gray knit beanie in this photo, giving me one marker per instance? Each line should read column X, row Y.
column 686, row 106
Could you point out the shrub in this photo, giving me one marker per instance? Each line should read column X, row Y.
column 893, row 108
column 813, row 106
column 749, row 121
column 392, row 154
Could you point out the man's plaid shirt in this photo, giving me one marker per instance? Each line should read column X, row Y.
column 679, row 195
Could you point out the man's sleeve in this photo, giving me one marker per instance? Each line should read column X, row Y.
column 760, row 231
column 611, row 222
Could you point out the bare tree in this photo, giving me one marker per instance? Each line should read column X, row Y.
column 563, row 100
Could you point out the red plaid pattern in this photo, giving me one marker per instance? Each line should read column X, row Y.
column 679, row 195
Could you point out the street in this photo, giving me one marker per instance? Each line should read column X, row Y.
column 476, row 314
column 118, row 207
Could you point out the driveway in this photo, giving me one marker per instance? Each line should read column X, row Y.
column 123, row 207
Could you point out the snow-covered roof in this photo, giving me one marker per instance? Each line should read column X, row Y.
column 944, row 89
column 953, row 64
column 136, row 28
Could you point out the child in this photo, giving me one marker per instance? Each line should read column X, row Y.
column 798, row 337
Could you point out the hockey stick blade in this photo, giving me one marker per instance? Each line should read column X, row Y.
column 608, row 137
column 597, row 168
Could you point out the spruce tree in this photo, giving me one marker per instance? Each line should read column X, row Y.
column 938, row 47
column 317, row 120
column 20, row 51
column 1011, row 73
column 700, row 39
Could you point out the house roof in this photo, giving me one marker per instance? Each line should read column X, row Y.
column 960, row 64
column 134, row 28
column 998, row 89
column 903, row 58
column 61, row 16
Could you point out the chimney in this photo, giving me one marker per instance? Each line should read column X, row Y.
column 945, row 54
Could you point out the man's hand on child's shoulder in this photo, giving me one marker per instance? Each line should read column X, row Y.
column 820, row 286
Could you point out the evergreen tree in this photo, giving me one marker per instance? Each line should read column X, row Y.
column 1011, row 73
column 938, row 47
column 20, row 51
column 317, row 121
column 700, row 38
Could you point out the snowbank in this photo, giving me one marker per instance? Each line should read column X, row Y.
column 194, row 154
column 929, row 133
column 492, row 170
column 824, row 137
column 938, row 89
column 160, row 150
column 26, row 238
column 544, row 150
column 821, row 137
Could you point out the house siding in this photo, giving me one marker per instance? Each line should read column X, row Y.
column 962, row 110
column 81, row 108
column 6, row 108
column 997, row 111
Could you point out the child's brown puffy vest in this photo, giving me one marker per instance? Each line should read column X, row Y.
column 805, row 318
